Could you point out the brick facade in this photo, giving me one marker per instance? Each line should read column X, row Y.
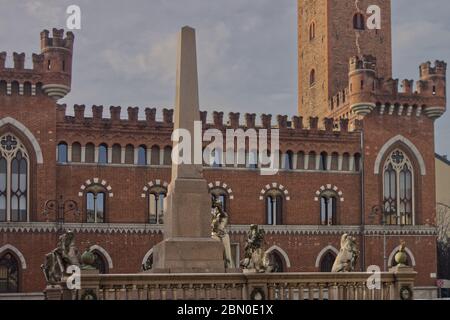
column 330, row 152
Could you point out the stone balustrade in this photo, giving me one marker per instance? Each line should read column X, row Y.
column 241, row 286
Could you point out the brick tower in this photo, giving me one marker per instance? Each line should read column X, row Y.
column 329, row 33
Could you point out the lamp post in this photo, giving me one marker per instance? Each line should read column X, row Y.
column 60, row 207
column 379, row 210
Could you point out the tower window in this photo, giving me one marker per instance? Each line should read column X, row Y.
column 312, row 78
column 323, row 161
column 358, row 21
column 142, row 155
column 103, row 154
column 62, row 153
column 312, row 31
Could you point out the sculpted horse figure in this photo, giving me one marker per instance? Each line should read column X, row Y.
column 348, row 255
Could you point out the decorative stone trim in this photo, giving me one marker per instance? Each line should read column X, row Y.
column 106, row 228
column 400, row 230
column 104, row 253
column 147, row 255
column 8, row 247
column 412, row 148
column 408, row 251
column 300, row 230
column 276, row 186
column 90, row 182
column 329, row 187
column 434, row 113
column 124, row 228
column 282, row 252
column 362, row 109
column 323, row 251
column 224, row 186
column 151, row 184
column 32, row 139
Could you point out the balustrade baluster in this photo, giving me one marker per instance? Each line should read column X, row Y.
column 301, row 292
column 310, row 291
column 163, row 292
column 152, row 292
column 321, row 285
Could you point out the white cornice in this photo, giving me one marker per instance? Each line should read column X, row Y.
column 123, row 228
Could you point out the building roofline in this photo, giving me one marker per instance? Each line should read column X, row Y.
column 443, row 159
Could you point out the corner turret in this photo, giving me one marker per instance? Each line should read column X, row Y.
column 362, row 84
column 51, row 73
column 432, row 84
column 57, row 62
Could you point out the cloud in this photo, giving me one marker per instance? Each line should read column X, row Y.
column 50, row 12
column 125, row 53
column 159, row 60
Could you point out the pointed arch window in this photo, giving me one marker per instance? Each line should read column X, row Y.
column 398, row 189
column 148, row 264
column 156, row 196
column 9, row 273
column 100, row 262
column 277, row 262
column 327, row 261
column 14, row 180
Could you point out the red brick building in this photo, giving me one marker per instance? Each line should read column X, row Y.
column 360, row 147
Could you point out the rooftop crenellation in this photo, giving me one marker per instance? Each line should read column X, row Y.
column 234, row 120
column 51, row 70
column 366, row 90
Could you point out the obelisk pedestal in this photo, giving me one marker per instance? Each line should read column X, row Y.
column 187, row 246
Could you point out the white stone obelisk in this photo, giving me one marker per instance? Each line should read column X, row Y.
column 187, row 246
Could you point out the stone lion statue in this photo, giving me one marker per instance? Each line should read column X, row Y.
column 346, row 259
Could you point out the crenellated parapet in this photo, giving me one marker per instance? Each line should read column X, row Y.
column 50, row 74
column 366, row 91
column 157, row 119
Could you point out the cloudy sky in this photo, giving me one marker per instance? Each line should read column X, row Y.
column 125, row 50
